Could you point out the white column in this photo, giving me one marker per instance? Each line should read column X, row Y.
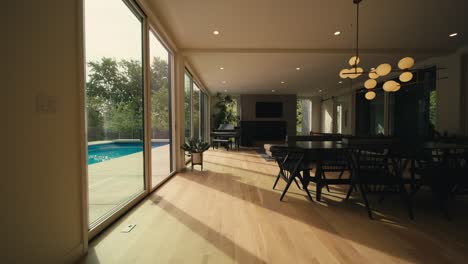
column 178, row 105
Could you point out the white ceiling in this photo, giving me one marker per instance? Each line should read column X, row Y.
column 263, row 41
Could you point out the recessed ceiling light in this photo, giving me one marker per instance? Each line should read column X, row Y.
column 216, row 32
column 337, row 33
column 298, row 69
column 282, row 82
column 453, row 35
column 273, row 91
column 319, row 91
column 223, row 82
column 221, row 68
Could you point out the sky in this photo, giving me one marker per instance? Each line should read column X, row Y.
column 112, row 30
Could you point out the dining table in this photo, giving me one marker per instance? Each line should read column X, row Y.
column 316, row 152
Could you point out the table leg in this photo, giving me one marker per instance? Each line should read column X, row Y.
column 318, row 180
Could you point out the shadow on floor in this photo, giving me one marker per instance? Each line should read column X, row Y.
column 391, row 217
column 234, row 251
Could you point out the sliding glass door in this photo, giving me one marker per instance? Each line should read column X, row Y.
column 370, row 114
column 161, row 138
column 203, row 116
column 188, row 106
column 196, row 111
column 412, row 109
column 114, row 106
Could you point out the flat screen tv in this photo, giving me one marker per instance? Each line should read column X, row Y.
column 268, row 109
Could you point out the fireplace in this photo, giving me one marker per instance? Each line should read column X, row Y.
column 262, row 131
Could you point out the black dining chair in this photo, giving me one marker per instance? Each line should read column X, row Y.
column 335, row 161
column 293, row 164
column 375, row 172
column 280, row 154
column 445, row 172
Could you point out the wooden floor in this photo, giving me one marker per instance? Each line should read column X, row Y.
column 230, row 214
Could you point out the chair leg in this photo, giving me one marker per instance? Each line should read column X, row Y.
column 277, row 179
column 308, row 193
column 297, row 184
column 287, row 186
column 341, row 174
column 366, row 202
column 351, row 188
column 325, row 178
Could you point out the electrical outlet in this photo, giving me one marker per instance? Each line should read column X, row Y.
column 46, row 104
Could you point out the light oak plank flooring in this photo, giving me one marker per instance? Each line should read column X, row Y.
column 230, row 214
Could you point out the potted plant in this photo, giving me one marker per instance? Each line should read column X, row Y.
column 195, row 148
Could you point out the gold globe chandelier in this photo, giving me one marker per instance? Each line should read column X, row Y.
column 404, row 66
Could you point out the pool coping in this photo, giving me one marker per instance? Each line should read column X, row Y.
column 102, row 142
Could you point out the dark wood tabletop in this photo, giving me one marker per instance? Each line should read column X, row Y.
column 443, row 145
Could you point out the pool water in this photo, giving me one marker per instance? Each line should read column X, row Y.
column 108, row 151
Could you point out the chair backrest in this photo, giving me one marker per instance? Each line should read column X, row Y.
column 336, row 160
column 369, row 160
column 293, row 160
column 278, row 152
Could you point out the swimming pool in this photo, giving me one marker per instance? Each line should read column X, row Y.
column 102, row 152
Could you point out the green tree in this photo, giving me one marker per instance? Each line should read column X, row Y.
column 160, row 97
column 115, row 97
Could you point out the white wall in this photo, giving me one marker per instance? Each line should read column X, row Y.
column 327, row 116
column 42, row 209
column 347, row 109
column 316, row 114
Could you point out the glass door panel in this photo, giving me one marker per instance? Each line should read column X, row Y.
column 161, row 165
column 188, row 109
column 196, row 111
column 114, row 106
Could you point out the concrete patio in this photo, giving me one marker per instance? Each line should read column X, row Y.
column 114, row 182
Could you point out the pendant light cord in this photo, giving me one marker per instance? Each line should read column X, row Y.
column 357, row 37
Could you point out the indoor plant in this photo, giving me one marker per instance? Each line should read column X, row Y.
column 195, row 148
column 225, row 110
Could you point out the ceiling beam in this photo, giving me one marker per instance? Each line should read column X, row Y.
column 432, row 52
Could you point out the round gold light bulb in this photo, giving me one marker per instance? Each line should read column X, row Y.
column 396, row 87
column 370, row 84
column 383, row 69
column 370, row 95
column 343, row 73
column 389, row 86
column 406, row 76
column 356, row 72
column 354, row 61
column 406, row 63
column 373, row 75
